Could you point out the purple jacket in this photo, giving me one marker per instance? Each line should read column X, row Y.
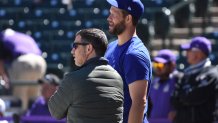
column 160, row 94
column 39, row 107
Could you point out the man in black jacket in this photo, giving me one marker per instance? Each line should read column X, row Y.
column 94, row 92
column 194, row 96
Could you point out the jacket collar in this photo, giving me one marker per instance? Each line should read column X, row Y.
column 198, row 67
column 96, row 61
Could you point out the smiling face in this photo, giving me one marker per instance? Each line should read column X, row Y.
column 79, row 51
column 116, row 21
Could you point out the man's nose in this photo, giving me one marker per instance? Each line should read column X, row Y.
column 72, row 51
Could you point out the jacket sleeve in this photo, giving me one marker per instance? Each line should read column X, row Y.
column 60, row 101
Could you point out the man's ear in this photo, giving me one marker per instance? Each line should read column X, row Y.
column 129, row 18
column 89, row 48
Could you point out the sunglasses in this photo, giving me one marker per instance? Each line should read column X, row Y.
column 75, row 45
column 157, row 65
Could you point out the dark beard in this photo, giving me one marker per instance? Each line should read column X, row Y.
column 119, row 28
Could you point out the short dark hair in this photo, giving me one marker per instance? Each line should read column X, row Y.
column 96, row 37
column 134, row 19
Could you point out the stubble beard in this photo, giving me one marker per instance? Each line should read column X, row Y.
column 118, row 29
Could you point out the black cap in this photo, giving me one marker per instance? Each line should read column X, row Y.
column 51, row 79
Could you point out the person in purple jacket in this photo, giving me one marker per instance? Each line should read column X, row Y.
column 49, row 85
column 20, row 61
column 164, row 66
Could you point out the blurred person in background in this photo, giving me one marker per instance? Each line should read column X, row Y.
column 94, row 92
column 216, row 108
column 21, row 60
column 49, row 85
column 2, row 110
column 194, row 95
column 129, row 56
column 162, row 87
